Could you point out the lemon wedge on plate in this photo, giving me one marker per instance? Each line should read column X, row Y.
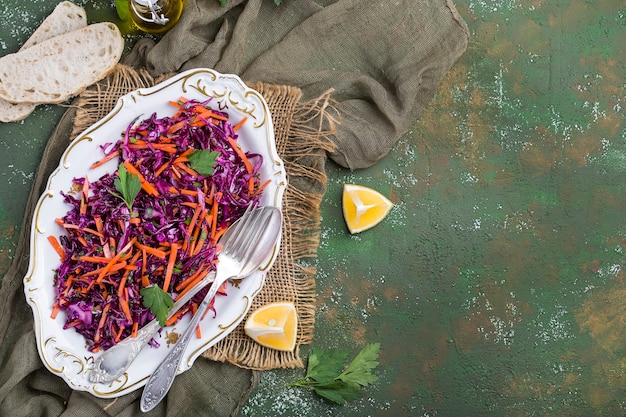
column 274, row 325
column 363, row 208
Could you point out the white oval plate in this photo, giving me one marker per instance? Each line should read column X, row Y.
column 64, row 352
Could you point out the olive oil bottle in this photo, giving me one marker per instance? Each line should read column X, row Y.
column 155, row 16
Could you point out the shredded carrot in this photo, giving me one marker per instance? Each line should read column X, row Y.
column 213, row 219
column 101, row 323
column 191, row 280
column 115, row 259
column 68, row 283
column 175, row 317
column 125, row 307
column 70, row 226
column 169, row 148
column 106, row 159
column 219, row 233
column 241, row 122
column 192, row 224
column 57, row 247
column 241, row 154
column 118, row 334
column 176, row 126
column 178, row 104
column 170, row 266
column 162, row 168
column 122, row 284
column 175, row 172
column 195, row 239
column 187, row 169
column 189, row 192
column 109, row 268
column 183, row 157
column 194, row 309
column 55, row 310
column 147, row 187
column 208, row 113
column 152, row 251
column 250, row 185
column 99, row 227
column 258, row 190
column 93, row 259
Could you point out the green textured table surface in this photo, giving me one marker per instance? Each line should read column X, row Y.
column 497, row 283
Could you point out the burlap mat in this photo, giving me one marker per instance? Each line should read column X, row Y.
column 301, row 130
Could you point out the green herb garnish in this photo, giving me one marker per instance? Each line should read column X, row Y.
column 158, row 301
column 123, row 10
column 128, row 186
column 327, row 377
column 203, row 161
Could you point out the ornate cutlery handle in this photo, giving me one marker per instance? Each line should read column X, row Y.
column 162, row 378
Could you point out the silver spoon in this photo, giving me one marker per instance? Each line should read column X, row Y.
column 115, row 361
column 245, row 250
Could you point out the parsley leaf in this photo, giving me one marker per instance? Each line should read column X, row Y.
column 323, row 367
column 128, row 185
column 158, row 301
column 203, row 161
column 360, row 369
column 339, row 392
column 327, row 377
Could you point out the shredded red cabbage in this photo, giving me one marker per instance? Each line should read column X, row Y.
column 94, row 309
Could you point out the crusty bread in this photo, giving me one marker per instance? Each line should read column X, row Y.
column 66, row 17
column 61, row 67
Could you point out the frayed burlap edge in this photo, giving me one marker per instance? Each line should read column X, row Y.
column 302, row 131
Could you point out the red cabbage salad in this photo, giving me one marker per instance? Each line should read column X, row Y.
column 136, row 239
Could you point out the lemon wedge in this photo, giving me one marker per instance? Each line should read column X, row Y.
column 274, row 325
column 363, row 208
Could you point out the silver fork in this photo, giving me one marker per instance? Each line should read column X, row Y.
column 246, row 245
column 114, row 362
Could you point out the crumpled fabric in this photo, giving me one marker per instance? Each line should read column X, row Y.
column 382, row 59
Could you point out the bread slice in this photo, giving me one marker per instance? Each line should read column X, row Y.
column 61, row 67
column 66, row 17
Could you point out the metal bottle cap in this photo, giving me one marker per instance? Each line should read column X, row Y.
column 157, row 18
